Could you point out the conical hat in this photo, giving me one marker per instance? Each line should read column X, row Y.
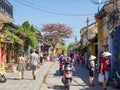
column 103, row 54
column 92, row 57
column 107, row 54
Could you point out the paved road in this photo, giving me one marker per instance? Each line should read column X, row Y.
column 80, row 80
column 27, row 83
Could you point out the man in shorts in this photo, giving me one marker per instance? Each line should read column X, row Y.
column 34, row 61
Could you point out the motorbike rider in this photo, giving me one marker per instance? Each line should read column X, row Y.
column 61, row 57
column 68, row 63
column 61, row 62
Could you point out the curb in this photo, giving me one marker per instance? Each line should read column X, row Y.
column 41, row 76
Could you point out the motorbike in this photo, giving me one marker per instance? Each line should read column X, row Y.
column 67, row 77
column 3, row 79
column 117, row 79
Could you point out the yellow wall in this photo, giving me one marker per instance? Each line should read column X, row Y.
column 100, row 35
column 58, row 51
column 92, row 48
column 2, row 64
column 0, row 56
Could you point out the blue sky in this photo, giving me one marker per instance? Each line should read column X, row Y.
column 40, row 12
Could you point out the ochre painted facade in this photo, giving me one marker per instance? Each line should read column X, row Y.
column 103, row 35
column 92, row 48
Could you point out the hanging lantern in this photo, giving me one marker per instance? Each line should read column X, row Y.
column 99, row 1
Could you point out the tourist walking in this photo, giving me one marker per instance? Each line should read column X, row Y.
column 81, row 59
column 21, row 66
column 91, row 69
column 34, row 62
column 41, row 57
column 105, row 63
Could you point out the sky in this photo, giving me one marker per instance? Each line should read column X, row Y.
column 72, row 13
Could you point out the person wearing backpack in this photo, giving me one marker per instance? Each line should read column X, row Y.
column 91, row 69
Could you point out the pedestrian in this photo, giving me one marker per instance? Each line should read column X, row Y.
column 81, row 59
column 72, row 58
column 91, row 69
column 34, row 62
column 41, row 57
column 105, row 67
column 21, row 66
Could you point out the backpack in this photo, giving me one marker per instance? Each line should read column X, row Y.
column 2, row 79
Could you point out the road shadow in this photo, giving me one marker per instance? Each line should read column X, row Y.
column 58, row 73
column 57, row 87
column 83, row 74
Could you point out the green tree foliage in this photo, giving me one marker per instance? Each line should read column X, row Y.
column 64, row 47
column 29, row 31
column 12, row 37
column 71, row 46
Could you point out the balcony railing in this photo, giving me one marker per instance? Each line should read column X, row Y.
column 6, row 8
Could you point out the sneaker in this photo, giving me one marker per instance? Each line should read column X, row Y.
column 105, row 88
column 34, row 77
column 62, row 80
column 92, row 85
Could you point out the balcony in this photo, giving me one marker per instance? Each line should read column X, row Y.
column 6, row 12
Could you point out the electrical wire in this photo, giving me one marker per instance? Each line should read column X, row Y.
column 51, row 12
column 43, row 7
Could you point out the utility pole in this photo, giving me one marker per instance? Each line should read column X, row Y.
column 87, row 21
column 75, row 39
column 86, row 49
column 76, row 44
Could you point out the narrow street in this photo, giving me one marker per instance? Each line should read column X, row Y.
column 80, row 80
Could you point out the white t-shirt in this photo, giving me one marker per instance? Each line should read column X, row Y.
column 33, row 59
column 92, row 63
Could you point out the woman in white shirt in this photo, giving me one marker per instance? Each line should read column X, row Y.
column 91, row 70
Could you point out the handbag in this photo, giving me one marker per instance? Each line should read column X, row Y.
column 101, row 78
column 2, row 79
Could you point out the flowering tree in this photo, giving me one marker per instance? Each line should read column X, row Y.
column 55, row 33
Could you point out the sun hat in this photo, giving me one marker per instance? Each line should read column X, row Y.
column 103, row 54
column 92, row 57
column 107, row 54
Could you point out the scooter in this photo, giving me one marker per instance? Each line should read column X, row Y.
column 117, row 79
column 68, row 77
column 3, row 79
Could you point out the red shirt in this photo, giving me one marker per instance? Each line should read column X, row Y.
column 80, row 57
column 106, row 63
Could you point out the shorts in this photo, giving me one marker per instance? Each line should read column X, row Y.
column 106, row 74
column 91, row 73
column 33, row 67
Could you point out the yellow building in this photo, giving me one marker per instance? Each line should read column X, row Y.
column 6, row 16
column 103, row 33
column 89, row 38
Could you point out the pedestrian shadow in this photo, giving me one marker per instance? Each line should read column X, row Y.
column 57, row 87
column 12, row 78
column 82, row 73
column 19, row 79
